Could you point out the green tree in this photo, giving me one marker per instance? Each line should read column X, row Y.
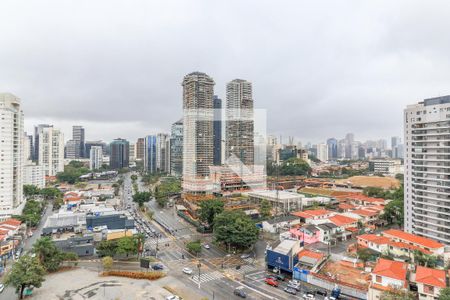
column 209, row 209
column 425, row 260
column 107, row 248
column 295, row 166
column 194, row 247
column 444, row 294
column 134, row 177
column 265, row 209
column 375, row 192
column 72, row 172
column 26, row 272
column 235, row 229
column 393, row 212
column 50, row 193
column 48, row 255
column 364, row 254
column 107, row 263
column 30, row 190
column 31, row 213
column 142, row 197
column 127, row 245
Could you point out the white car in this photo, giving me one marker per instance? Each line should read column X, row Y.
column 245, row 255
column 2, row 287
column 187, row 271
column 206, row 246
column 308, row 297
column 173, row 297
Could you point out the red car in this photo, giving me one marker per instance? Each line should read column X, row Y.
column 271, row 282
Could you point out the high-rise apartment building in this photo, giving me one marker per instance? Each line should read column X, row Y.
column 239, row 139
column 120, row 154
column 37, row 130
column 11, row 152
column 51, row 150
column 217, row 105
column 78, row 138
column 95, row 157
column 176, row 148
column 150, row 143
column 427, row 168
column 332, row 145
column 140, row 148
column 198, row 133
column 322, row 152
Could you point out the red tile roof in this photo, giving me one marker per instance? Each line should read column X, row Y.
column 340, row 220
column 346, row 206
column 431, row 277
column 312, row 254
column 365, row 213
column 379, row 240
column 12, row 221
column 392, row 269
column 311, row 213
column 424, row 242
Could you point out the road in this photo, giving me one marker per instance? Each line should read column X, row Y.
column 9, row 292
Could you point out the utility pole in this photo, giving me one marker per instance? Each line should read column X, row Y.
column 199, row 266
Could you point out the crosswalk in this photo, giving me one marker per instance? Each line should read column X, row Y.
column 242, row 270
column 205, row 277
column 170, row 255
column 160, row 242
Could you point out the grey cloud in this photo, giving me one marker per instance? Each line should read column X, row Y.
column 320, row 68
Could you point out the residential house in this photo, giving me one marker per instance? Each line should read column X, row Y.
column 279, row 223
column 423, row 243
column 327, row 233
column 308, row 234
column 387, row 275
column 308, row 216
column 429, row 282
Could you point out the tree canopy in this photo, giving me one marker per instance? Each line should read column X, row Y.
column 444, row 294
column 125, row 246
column 48, row 254
column 72, row 172
column 141, row 197
column 265, row 209
column 295, row 166
column 209, row 209
column 31, row 213
column 30, row 190
column 235, row 229
column 194, row 247
column 25, row 272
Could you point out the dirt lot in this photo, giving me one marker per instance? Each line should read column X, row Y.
column 85, row 284
column 372, row 181
column 346, row 273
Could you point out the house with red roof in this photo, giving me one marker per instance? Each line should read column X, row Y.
column 308, row 259
column 429, row 282
column 387, row 275
column 367, row 217
column 311, row 215
column 426, row 244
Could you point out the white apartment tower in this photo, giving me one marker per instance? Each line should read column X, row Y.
column 95, row 157
column 51, row 150
column 198, row 136
column 11, row 155
column 239, row 122
column 427, row 168
column 322, row 152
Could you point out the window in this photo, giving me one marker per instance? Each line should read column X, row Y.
column 429, row 289
column 378, row 279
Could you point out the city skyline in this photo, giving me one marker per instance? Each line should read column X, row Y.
column 357, row 79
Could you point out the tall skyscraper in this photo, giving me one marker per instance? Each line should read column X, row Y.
column 395, row 140
column 140, row 148
column 427, row 168
column 217, row 105
column 11, row 149
column 120, row 154
column 51, row 150
column 37, row 130
column 198, row 134
column 239, row 122
column 176, row 148
column 150, row 154
column 161, row 152
column 89, row 144
column 78, row 138
column 332, row 145
column 95, row 157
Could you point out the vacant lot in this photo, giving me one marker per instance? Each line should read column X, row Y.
column 371, row 181
column 84, row 284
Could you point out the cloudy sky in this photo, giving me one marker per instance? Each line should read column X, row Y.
column 320, row 68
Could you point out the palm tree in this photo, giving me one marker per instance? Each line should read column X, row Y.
column 43, row 247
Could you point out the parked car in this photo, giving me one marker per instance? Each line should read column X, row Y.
column 2, row 287
column 295, row 286
column 173, row 297
column 206, row 246
column 280, row 277
column 187, row 271
column 240, row 293
column 245, row 255
column 309, row 296
column 290, row 291
column 157, row 267
column 321, row 293
column 271, row 281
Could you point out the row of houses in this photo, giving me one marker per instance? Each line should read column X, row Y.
column 11, row 233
